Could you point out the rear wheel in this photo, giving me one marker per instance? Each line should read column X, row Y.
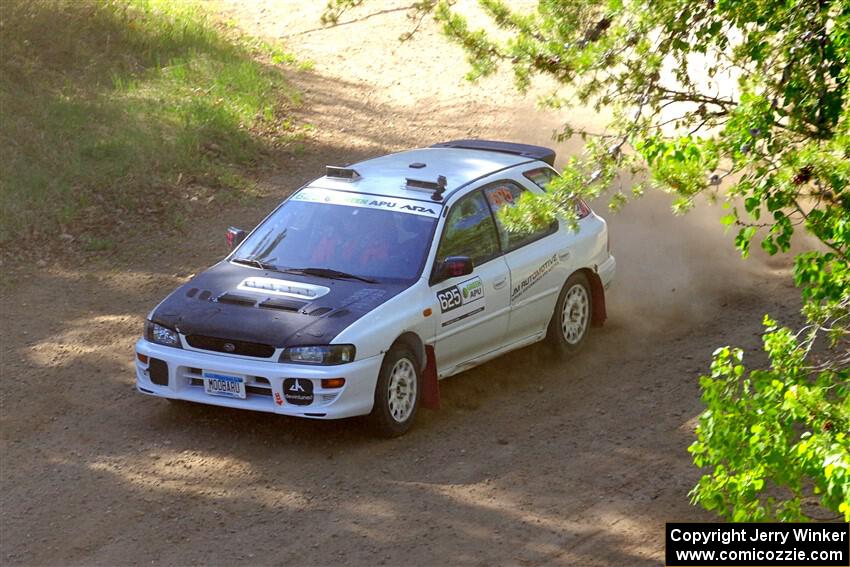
column 573, row 312
column 396, row 393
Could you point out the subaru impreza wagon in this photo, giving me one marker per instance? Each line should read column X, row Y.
column 368, row 285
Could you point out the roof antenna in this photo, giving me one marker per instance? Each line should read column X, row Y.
column 441, row 187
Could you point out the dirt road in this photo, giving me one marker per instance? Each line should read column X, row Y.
column 529, row 462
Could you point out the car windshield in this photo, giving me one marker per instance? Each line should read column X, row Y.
column 359, row 235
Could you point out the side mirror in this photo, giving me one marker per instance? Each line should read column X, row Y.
column 454, row 266
column 234, row 237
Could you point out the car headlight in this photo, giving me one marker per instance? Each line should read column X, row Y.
column 324, row 354
column 161, row 335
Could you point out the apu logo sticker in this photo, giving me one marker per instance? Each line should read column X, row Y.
column 472, row 290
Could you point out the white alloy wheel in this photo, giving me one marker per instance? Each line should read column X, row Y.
column 575, row 314
column 401, row 397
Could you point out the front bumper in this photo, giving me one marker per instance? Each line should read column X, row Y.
column 264, row 380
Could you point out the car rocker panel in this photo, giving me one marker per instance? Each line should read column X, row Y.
column 302, row 314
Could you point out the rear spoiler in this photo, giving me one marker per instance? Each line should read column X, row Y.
column 526, row 150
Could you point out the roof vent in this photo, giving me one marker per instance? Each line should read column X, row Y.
column 344, row 173
column 416, row 165
column 438, row 187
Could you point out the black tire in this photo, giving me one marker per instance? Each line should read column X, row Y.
column 566, row 339
column 391, row 416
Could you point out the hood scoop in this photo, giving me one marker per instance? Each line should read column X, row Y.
column 284, row 288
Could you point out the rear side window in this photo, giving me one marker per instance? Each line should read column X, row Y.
column 506, row 194
column 470, row 231
column 542, row 176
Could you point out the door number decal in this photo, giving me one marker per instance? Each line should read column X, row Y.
column 459, row 297
column 461, row 294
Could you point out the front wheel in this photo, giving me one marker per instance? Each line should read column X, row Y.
column 573, row 312
column 396, row 393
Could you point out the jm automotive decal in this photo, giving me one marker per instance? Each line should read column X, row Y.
column 460, row 296
column 534, row 277
column 313, row 195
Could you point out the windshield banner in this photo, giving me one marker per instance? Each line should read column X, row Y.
column 313, row 195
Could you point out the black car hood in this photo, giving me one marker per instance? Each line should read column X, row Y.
column 210, row 305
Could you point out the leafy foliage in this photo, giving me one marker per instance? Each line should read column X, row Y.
column 777, row 439
column 740, row 100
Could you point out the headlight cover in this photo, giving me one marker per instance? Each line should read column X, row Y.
column 160, row 335
column 322, row 354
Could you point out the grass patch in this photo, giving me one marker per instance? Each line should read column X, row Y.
column 110, row 110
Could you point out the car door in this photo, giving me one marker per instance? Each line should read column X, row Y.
column 539, row 263
column 473, row 309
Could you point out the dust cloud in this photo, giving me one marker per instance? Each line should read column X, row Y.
column 672, row 270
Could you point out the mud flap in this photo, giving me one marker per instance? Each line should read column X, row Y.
column 430, row 383
column 597, row 295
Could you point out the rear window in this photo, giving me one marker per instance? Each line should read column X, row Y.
column 542, row 176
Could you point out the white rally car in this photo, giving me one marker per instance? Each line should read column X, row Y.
column 366, row 286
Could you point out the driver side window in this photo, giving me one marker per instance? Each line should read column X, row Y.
column 470, row 231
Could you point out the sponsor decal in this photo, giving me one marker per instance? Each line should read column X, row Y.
column 277, row 399
column 500, row 196
column 535, row 276
column 298, row 391
column 313, row 195
column 459, row 297
column 464, row 316
column 364, row 299
column 472, row 290
column 461, row 294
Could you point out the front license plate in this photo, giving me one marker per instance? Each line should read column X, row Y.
column 217, row 384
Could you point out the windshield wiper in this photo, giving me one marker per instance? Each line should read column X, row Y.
column 327, row 273
column 256, row 263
